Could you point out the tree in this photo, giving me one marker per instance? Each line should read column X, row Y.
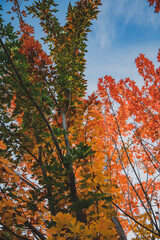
column 53, row 181
column 66, row 159
column 132, row 126
column 131, row 116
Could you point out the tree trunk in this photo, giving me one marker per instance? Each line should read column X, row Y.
column 118, row 226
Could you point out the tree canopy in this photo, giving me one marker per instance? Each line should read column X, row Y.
column 74, row 166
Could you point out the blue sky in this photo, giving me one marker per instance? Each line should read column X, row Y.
column 124, row 29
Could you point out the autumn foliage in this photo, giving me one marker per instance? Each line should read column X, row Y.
column 155, row 3
column 74, row 166
column 133, row 160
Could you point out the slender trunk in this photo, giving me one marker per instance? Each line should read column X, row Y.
column 48, row 187
column 118, row 226
column 72, row 183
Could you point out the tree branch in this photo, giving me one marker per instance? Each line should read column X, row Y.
column 9, row 230
column 33, row 101
column 11, row 133
column 34, row 230
column 119, row 132
column 157, row 234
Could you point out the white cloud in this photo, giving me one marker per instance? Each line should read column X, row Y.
column 106, row 55
column 122, row 12
column 139, row 13
column 119, row 63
